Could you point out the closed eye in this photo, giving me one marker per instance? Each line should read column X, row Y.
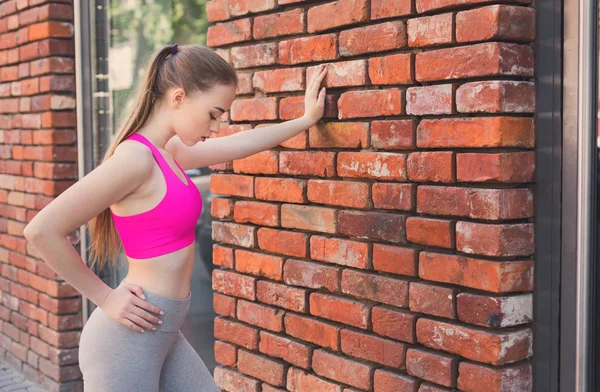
column 213, row 117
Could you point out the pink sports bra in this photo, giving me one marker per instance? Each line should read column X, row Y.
column 168, row 226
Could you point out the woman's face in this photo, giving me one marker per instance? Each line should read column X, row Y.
column 200, row 114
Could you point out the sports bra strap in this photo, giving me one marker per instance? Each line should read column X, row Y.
column 162, row 162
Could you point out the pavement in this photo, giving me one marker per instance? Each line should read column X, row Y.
column 11, row 380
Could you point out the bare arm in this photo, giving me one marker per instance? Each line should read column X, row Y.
column 112, row 180
column 246, row 143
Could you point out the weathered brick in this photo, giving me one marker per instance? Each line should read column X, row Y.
column 229, row 32
column 311, row 275
column 427, row 166
column 472, row 377
column 283, row 296
column 339, row 309
column 430, row 299
column 261, row 367
column 230, row 380
column 373, row 38
column 254, row 55
column 490, row 311
column 487, row 59
column 371, row 103
column 233, row 233
column 430, row 5
column 311, row 330
column 279, row 24
column 342, row 74
column 394, row 324
column 504, row 96
column 341, row 369
column 495, row 240
column 217, row 10
column 356, row 194
column 231, row 184
column 307, row 163
column 279, row 80
column 430, row 366
column 437, row 99
column 375, row 165
column 289, row 190
column 224, row 305
column 244, row 7
column 311, row 218
column 339, row 251
column 375, row 288
column 231, row 283
column 392, row 69
column 222, row 256
column 284, row 242
column 259, row 264
column 225, row 353
column 346, row 12
column 237, row 333
column 430, row 30
column 254, row 109
column 259, row 213
column 394, row 259
column 493, row 276
column 385, row 380
column 394, row 134
column 496, row 22
column 299, row 380
column 307, row 49
column 432, row 232
column 285, row 348
column 388, row 8
column 509, row 167
column 371, row 348
column 372, row 225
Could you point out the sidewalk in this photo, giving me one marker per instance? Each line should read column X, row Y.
column 10, row 380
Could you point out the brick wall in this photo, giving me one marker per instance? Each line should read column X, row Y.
column 389, row 248
column 40, row 315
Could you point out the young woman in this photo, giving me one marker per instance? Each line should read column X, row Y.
column 141, row 197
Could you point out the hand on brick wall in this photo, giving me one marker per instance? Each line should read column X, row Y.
column 314, row 99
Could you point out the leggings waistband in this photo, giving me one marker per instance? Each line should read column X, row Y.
column 175, row 310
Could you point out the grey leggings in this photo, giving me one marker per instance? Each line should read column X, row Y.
column 114, row 358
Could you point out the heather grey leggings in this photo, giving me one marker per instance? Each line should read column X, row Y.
column 114, row 358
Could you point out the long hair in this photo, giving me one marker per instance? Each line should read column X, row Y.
column 192, row 67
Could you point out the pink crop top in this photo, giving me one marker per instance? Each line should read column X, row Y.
column 171, row 224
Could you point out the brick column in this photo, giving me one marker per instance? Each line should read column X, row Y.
column 40, row 315
column 390, row 247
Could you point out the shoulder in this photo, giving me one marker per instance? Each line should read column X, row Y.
column 134, row 156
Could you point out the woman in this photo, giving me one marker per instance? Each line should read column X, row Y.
column 141, row 196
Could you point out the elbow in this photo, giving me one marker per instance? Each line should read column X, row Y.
column 31, row 232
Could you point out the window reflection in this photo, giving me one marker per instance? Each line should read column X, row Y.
column 127, row 33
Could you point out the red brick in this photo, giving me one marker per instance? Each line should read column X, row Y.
column 509, row 167
column 285, row 348
column 261, row 367
column 259, row 264
column 231, row 283
column 342, row 74
column 307, row 163
column 346, row 12
column 222, row 256
column 254, row 109
column 321, row 219
column 50, row 29
column 434, row 300
column 496, row 96
column 259, row 213
column 340, row 251
column 356, row 194
column 393, row 134
column 225, row 33
column 264, row 162
column 392, row 69
column 371, row 103
column 375, row 288
column 495, row 240
column 293, row 107
column 299, row 380
column 435, row 367
column 388, row 8
column 373, row 38
column 311, row 275
column 280, row 295
column 311, row 330
column 339, row 135
column 284, row 242
column 432, row 232
column 385, row 381
column 225, row 353
column 372, row 225
column 394, row 324
column 288, row 190
column 254, row 55
column 231, row 184
column 426, row 387
column 308, row 49
column 430, row 30
column 496, row 22
column 230, row 380
column 437, row 99
column 435, row 166
column 221, row 208
column 339, row 309
column 473, row 377
column 394, row 196
column 224, row 305
column 495, row 311
column 496, row 348
column 217, row 10
column 279, row 80
column 491, row 204
column 372, row 348
column 430, row 5
column 374, row 165
column 232, row 233
column 236, row 333
column 494, row 276
column 394, row 259
column 243, row 7
column 279, row 24
column 487, row 59
column 341, row 369
column 476, row 132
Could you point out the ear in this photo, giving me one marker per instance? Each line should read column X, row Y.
column 177, row 97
